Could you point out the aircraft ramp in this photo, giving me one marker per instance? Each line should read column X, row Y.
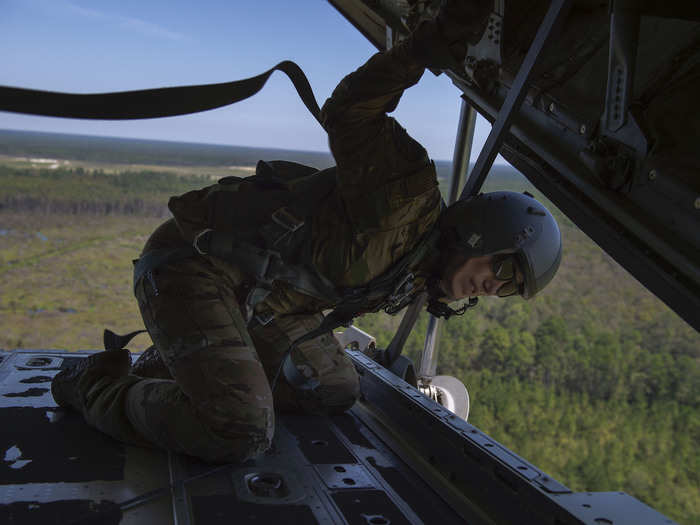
column 396, row 458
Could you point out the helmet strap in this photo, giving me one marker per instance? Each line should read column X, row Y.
column 440, row 309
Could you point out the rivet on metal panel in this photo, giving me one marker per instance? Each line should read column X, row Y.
column 551, row 485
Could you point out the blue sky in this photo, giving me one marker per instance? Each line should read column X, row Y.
column 81, row 46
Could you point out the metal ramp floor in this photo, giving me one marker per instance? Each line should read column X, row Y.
column 56, row 469
column 396, row 457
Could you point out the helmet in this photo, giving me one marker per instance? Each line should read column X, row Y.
column 505, row 222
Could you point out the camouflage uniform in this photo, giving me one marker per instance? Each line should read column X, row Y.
column 218, row 404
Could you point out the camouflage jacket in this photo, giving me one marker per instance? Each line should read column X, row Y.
column 386, row 194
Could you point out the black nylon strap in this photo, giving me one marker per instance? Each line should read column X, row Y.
column 151, row 103
column 265, row 266
column 114, row 341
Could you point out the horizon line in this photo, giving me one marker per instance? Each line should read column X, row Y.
column 320, row 152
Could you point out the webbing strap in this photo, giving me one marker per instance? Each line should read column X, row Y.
column 265, row 266
column 151, row 103
column 344, row 313
column 114, row 341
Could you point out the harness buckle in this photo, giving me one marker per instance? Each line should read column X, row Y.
column 401, row 294
column 404, row 287
column 269, row 266
column 195, row 242
column 264, row 318
column 285, row 218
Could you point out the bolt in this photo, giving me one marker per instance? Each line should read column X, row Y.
column 582, row 129
column 652, row 174
column 551, row 107
column 697, row 203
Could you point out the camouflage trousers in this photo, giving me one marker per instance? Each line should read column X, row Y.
column 218, row 404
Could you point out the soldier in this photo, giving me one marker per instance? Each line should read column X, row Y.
column 246, row 266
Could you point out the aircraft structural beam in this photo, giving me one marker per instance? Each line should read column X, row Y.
column 552, row 20
column 460, row 170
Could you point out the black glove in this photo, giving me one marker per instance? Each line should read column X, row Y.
column 463, row 21
column 442, row 43
column 431, row 49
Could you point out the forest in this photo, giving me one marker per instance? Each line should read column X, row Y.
column 595, row 381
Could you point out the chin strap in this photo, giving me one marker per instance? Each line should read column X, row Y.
column 440, row 309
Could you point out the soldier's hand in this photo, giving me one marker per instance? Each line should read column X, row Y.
column 463, row 21
column 442, row 43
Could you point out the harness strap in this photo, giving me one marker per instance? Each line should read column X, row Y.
column 151, row 103
column 263, row 265
column 352, row 304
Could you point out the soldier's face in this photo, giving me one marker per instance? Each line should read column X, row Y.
column 472, row 277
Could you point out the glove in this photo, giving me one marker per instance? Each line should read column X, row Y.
column 442, row 43
column 463, row 21
column 431, row 49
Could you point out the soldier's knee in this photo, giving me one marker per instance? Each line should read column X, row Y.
column 336, row 397
column 346, row 397
column 216, row 431
column 241, row 432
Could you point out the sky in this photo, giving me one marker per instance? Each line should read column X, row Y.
column 84, row 46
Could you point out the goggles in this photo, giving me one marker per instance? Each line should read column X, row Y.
column 505, row 268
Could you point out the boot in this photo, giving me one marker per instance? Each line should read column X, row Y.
column 150, row 364
column 70, row 386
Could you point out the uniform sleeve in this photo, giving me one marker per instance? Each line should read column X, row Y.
column 379, row 165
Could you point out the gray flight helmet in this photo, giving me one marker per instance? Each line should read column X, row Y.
column 506, row 222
